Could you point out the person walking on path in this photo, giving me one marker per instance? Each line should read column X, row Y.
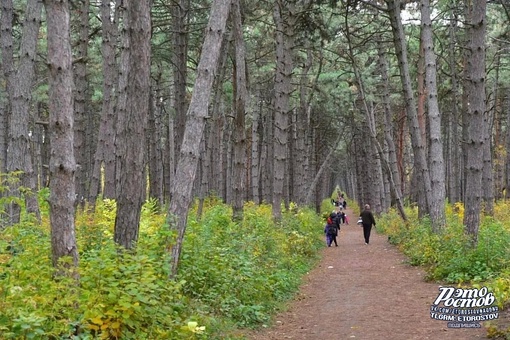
column 367, row 220
column 331, row 230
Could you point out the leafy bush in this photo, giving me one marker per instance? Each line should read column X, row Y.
column 243, row 270
column 231, row 274
column 121, row 294
column 448, row 254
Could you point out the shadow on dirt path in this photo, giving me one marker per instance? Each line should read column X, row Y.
column 360, row 291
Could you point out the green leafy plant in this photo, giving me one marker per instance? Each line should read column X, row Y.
column 243, row 270
column 231, row 275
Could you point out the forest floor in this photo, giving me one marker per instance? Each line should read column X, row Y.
column 360, row 291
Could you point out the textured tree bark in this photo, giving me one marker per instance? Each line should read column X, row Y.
column 62, row 163
column 453, row 160
column 3, row 133
column 180, row 12
column 220, row 141
column 436, row 160
column 7, row 66
column 491, row 154
column 81, row 101
column 299, row 159
column 475, row 115
column 19, row 82
column 496, row 116
column 226, row 159
column 104, row 156
column 214, row 154
column 169, row 158
column 155, row 154
column 507, row 162
column 131, row 129
column 122, row 95
column 488, row 169
column 421, row 93
column 267, row 157
column 194, row 130
column 284, row 21
column 241, row 96
column 255, row 154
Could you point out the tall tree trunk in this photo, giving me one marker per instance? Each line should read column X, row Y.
column 44, row 147
column 81, row 101
column 475, row 113
column 3, row 132
column 422, row 92
column 241, row 94
column 283, row 18
column 214, row 161
column 180, row 12
column 394, row 176
column 7, row 66
column 490, row 146
column 436, row 160
column 226, row 159
column 155, row 154
column 420, row 160
column 19, row 89
column 267, row 157
column 169, row 157
column 194, row 130
column 203, row 177
column 62, row 163
column 455, row 173
column 487, row 172
column 131, row 132
column 105, row 151
column 299, row 160
column 506, row 106
column 255, row 153
column 496, row 106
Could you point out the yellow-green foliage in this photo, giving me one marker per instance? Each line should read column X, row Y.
column 326, row 208
column 230, row 274
column 120, row 294
column 243, row 270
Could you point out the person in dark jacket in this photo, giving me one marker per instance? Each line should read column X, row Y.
column 331, row 230
column 367, row 220
column 336, row 216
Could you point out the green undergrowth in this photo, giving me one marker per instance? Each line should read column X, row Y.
column 244, row 271
column 448, row 256
column 232, row 275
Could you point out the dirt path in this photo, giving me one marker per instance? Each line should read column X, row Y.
column 363, row 291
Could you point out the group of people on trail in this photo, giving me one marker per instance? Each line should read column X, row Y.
column 340, row 201
column 338, row 217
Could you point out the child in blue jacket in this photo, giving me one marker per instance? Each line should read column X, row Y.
column 331, row 229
